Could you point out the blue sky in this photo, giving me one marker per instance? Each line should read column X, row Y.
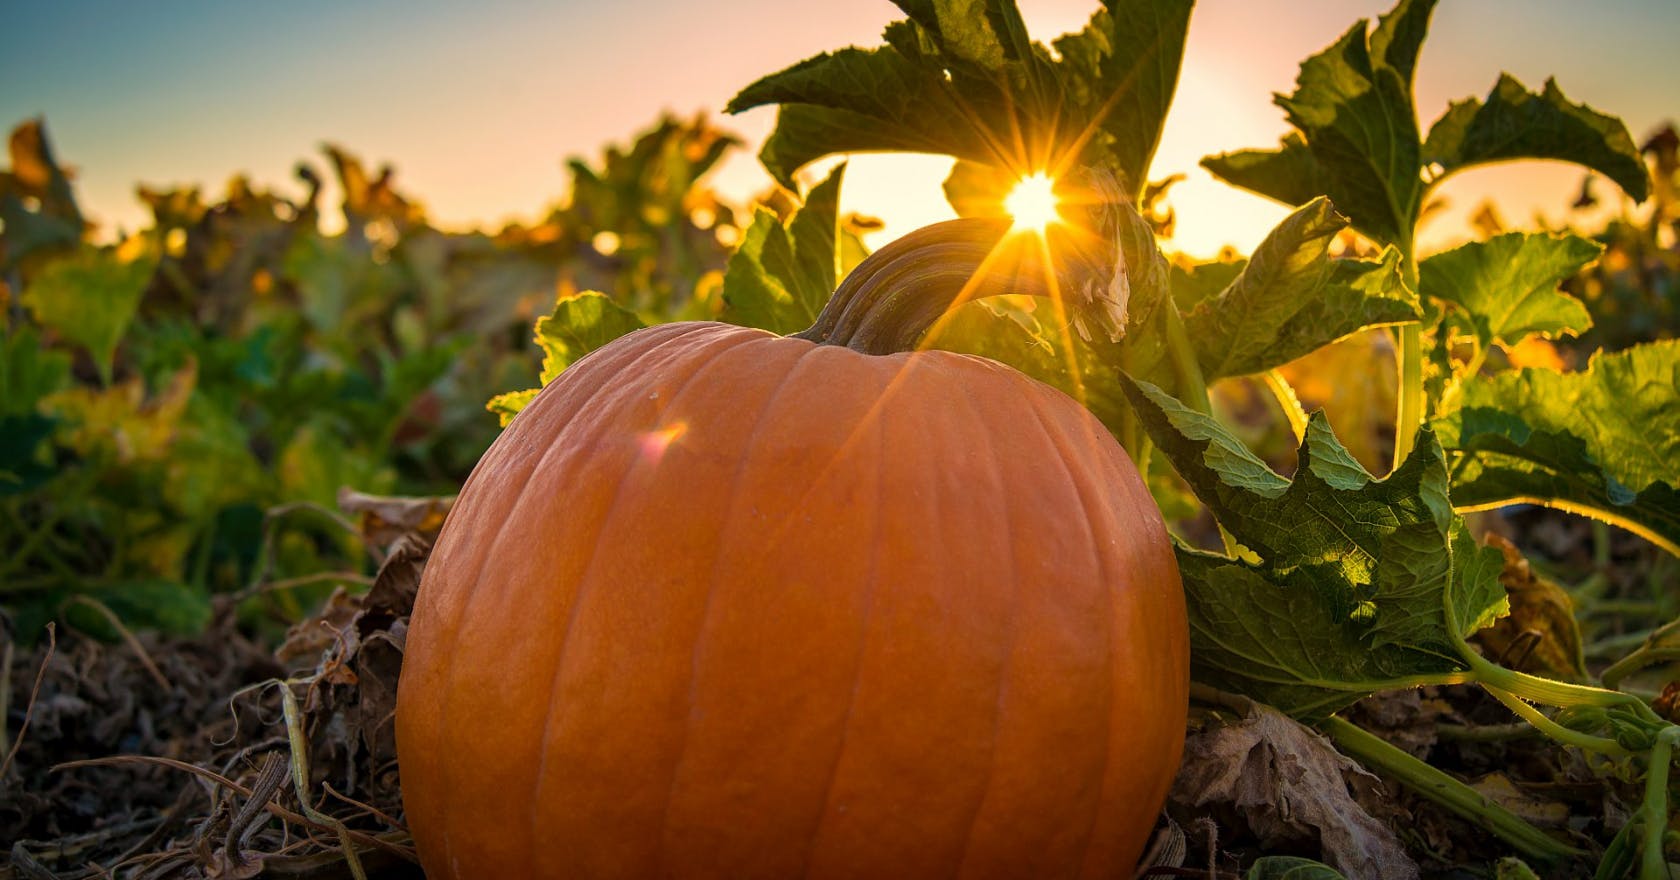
column 478, row 106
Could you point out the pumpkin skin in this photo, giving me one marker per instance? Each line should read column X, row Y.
column 720, row 603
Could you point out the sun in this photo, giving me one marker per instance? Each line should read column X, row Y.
column 1032, row 203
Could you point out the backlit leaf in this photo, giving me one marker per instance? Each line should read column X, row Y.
column 1508, row 285
column 1292, row 298
column 1514, row 123
column 579, row 325
column 782, row 275
column 1359, row 140
column 1604, row 442
column 962, row 78
column 1362, row 584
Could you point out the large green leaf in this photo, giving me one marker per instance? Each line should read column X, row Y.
column 1289, row 174
column 896, row 97
column 1353, row 105
column 1127, row 61
column 89, row 299
column 1361, row 584
column 1515, row 123
column 1292, row 298
column 782, row 275
column 1604, row 442
column 962, row 78
column 1508, row 285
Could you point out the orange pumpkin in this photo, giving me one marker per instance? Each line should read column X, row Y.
column 721, row 603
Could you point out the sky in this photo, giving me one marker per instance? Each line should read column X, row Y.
column 479, row 105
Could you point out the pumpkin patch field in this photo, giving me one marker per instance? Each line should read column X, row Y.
column 679, row 534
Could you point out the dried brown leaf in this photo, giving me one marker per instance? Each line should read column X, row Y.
column 384, row 519
column 1289, row 786
column 1540, row 635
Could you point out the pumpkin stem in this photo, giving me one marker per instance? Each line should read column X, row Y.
column 900, row 292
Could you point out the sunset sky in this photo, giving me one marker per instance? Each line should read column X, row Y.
column 478, row 106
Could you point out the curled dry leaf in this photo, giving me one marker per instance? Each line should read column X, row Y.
column 398, row 580
column 1540, row 635
column 1289, row 786
column 384, row 519
column 1667, row 703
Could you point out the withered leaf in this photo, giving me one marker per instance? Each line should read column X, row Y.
column 384, row 519
column 1540, row 636
column 1290, row 786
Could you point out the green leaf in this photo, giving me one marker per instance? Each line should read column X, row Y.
column 1361, row 585
column 509, row 404
column 1515, row 123
column 865, row 100
column 1290, row 868
column 963, row 28
column 1360, row 146
column 1292, row 298
column 210, row 462
column 90, row 299
column 1604, row 442
column 781, row 276
column 1508, row 285
column 962, row 78
column 1197, row 283
column 1289, row 174
column 29, row 371
column 579, row 325
column 1513, row 868
column 1124, row 70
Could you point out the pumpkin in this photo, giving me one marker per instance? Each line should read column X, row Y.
column 721, row 603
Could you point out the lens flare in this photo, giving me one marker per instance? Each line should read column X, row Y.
column 1032, row 203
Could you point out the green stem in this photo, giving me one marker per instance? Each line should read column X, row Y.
column 1653, row 865
column 1583, row 741
column 1291, row 404
column 1601, row 543
column 901, row 293
column 1192, row 387
column 1541, row 690
column 1658, row 646
column 1410, row 415
column 1437, row 786
column 1410, row 357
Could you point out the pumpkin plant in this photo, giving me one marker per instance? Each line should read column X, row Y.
column 726, row 603
column 1336, row 584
